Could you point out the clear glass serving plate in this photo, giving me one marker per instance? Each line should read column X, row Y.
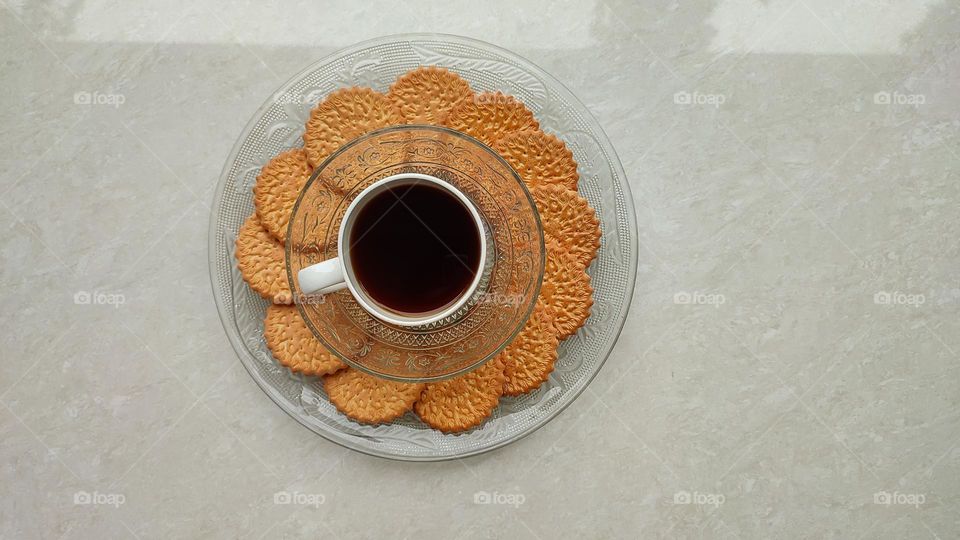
column 278, row 125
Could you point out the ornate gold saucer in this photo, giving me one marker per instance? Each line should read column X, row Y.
column 509, row 285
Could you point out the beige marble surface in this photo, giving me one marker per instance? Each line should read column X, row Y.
column 789, row 368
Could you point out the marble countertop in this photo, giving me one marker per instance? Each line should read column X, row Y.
column 789, row 367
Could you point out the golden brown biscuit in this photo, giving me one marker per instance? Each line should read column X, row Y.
column 425, row 95
column 539, row 159
column 568, row 219
column 262, row 262
column 294, row 345
column 490, row 117
column 278, row 185
column 343, row 116
column 463, row 402
column 566, row 291
column 369, row 399
column 528, row 360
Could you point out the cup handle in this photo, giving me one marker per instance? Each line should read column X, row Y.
column 325, row 277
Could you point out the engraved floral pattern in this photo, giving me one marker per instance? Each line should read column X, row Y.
column 512, row 229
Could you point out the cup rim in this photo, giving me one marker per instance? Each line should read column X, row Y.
column 348, row 275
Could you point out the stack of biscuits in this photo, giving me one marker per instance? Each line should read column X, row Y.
column 428, row 95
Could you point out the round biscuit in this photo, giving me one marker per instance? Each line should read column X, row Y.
column 294, row 345
column 463, row 402
column 426, row 95
column 369, row 399
column 539, row 159
column 566, row 291
column 343, row 116
column 528, row 360
column 491, row 116
column 262, row 262
column 278, row 185
column 568, row 219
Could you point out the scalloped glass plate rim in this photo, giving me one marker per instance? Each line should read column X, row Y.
column 235, row 338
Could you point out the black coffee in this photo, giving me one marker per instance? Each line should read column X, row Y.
column 414, row 248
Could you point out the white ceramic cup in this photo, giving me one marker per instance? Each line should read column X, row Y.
column 335, row 274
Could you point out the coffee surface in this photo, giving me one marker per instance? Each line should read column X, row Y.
column 414, row 248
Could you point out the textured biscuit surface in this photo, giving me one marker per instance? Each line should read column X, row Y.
column 345, row 115
column 463, row 402
column 262, row 263
column 566, row 291
column 528, row 360
column 278, row 185
column 426, row 95
column 568, row 219
column 294, row 345
column 490, row 117
column 540, row 159
column 369, row 399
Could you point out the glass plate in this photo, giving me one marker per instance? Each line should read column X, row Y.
column 278, row 125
